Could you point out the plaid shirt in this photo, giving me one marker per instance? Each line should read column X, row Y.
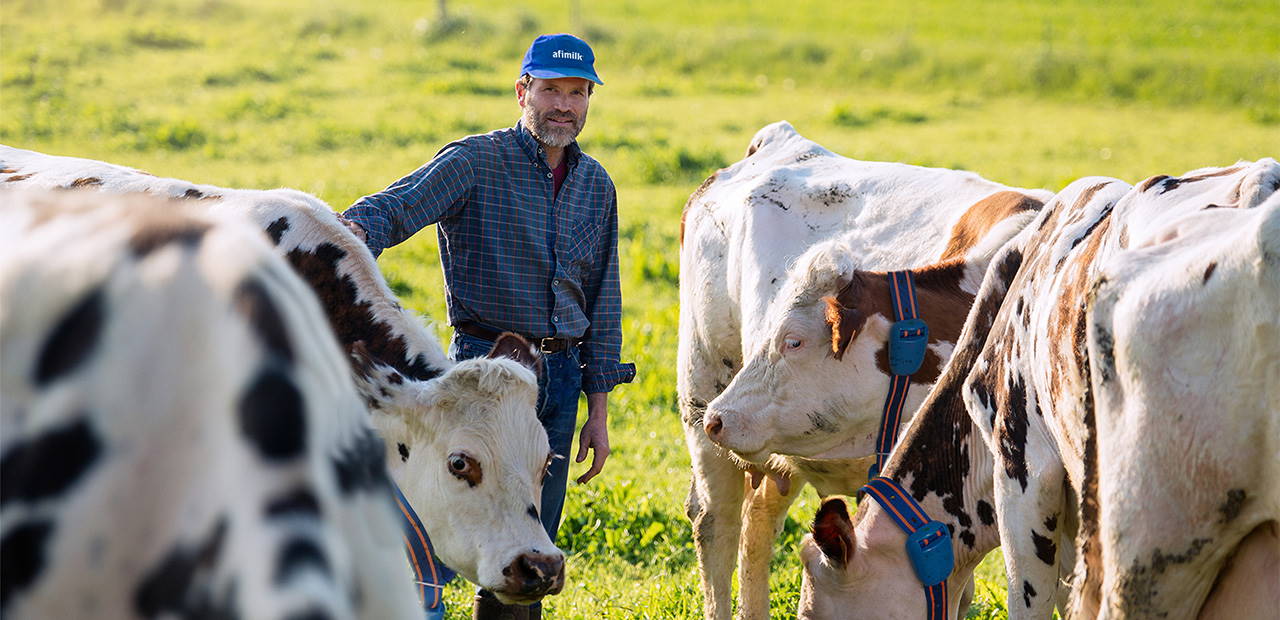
column 516, row 256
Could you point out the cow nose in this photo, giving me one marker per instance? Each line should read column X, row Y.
column 536, row 574
column 713, row 425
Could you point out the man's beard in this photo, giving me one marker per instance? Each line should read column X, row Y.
column 555, row 137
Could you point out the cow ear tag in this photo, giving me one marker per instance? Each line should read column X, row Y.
column 907, row 342
column 929, row 549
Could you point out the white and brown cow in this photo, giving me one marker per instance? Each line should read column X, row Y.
column 1111, row 406
column 742, row 230
column 179, row 432
column 816, row 384
column 415, row 394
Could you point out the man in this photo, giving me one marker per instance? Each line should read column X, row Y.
column 528, row 230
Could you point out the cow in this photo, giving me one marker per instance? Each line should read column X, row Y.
column 740, row 232
column 179, row 433
column 1104, row 417
column 815, row 385
column 483, row 531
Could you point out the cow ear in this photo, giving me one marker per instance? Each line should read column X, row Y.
column 361, row 360
column 833, row 531
column 844, row 323
column 514, row 346
column 374, row 380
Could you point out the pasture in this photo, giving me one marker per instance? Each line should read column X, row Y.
column 339, row 99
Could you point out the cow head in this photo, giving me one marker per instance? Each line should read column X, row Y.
column 799, row 393
column 816, row 383
column 470, row 455
column 858, row 568
column 856, row 574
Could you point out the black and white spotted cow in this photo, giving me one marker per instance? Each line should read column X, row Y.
column 462, row 440
column 1108, row 416
column 179, row 432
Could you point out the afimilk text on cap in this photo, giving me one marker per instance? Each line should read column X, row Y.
column 558, row 56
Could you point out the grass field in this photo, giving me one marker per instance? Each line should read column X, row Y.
column 339, row 99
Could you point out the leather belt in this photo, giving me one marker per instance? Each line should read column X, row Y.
column 546, row 345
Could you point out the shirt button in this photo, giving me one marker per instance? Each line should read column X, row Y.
column 548, row 175
column 556, row 282
column 555, row 319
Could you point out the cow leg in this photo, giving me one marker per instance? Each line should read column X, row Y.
column 716, row 488
column 1028, row 478
column 1029, row 517
column 715, row 499
column 1068, row 530
column 966, row 599
column 763, row 513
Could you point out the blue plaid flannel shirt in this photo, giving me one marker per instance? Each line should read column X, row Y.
column 516, row 256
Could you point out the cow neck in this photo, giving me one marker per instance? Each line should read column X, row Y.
column 928, row 541
column 908, row 340
column 940, row 300
column 928, row 544
column 945, row 464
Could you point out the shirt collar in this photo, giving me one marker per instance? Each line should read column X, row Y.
column 533, row 148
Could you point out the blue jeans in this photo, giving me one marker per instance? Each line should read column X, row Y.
column 558, row 391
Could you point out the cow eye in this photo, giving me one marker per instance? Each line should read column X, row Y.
column 463, row 467
column 791, row 343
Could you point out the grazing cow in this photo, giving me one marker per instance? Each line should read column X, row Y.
column 740, row 231
column 483, row 530
column 179, row 433
column 1110, row 406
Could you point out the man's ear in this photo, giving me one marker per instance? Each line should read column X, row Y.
column 520, row 91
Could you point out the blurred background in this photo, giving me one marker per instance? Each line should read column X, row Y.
column 340, row 99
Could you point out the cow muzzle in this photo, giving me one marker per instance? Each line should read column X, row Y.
column 726, row 429
column 530, row 577
column 713, row 424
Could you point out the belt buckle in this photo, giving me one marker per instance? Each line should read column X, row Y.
column 547, row 345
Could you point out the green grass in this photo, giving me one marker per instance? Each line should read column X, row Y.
column 339, row 99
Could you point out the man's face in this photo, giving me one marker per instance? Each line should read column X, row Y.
column 555, row 110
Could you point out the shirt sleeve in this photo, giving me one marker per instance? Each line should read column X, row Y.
column 602, row 342
column 425, row 196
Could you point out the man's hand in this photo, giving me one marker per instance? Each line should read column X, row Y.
column 355, row 228
column 594, row 435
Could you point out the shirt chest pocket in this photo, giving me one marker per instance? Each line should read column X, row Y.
column 581, row 248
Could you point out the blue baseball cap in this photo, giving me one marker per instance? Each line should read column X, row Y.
column 558, row 56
